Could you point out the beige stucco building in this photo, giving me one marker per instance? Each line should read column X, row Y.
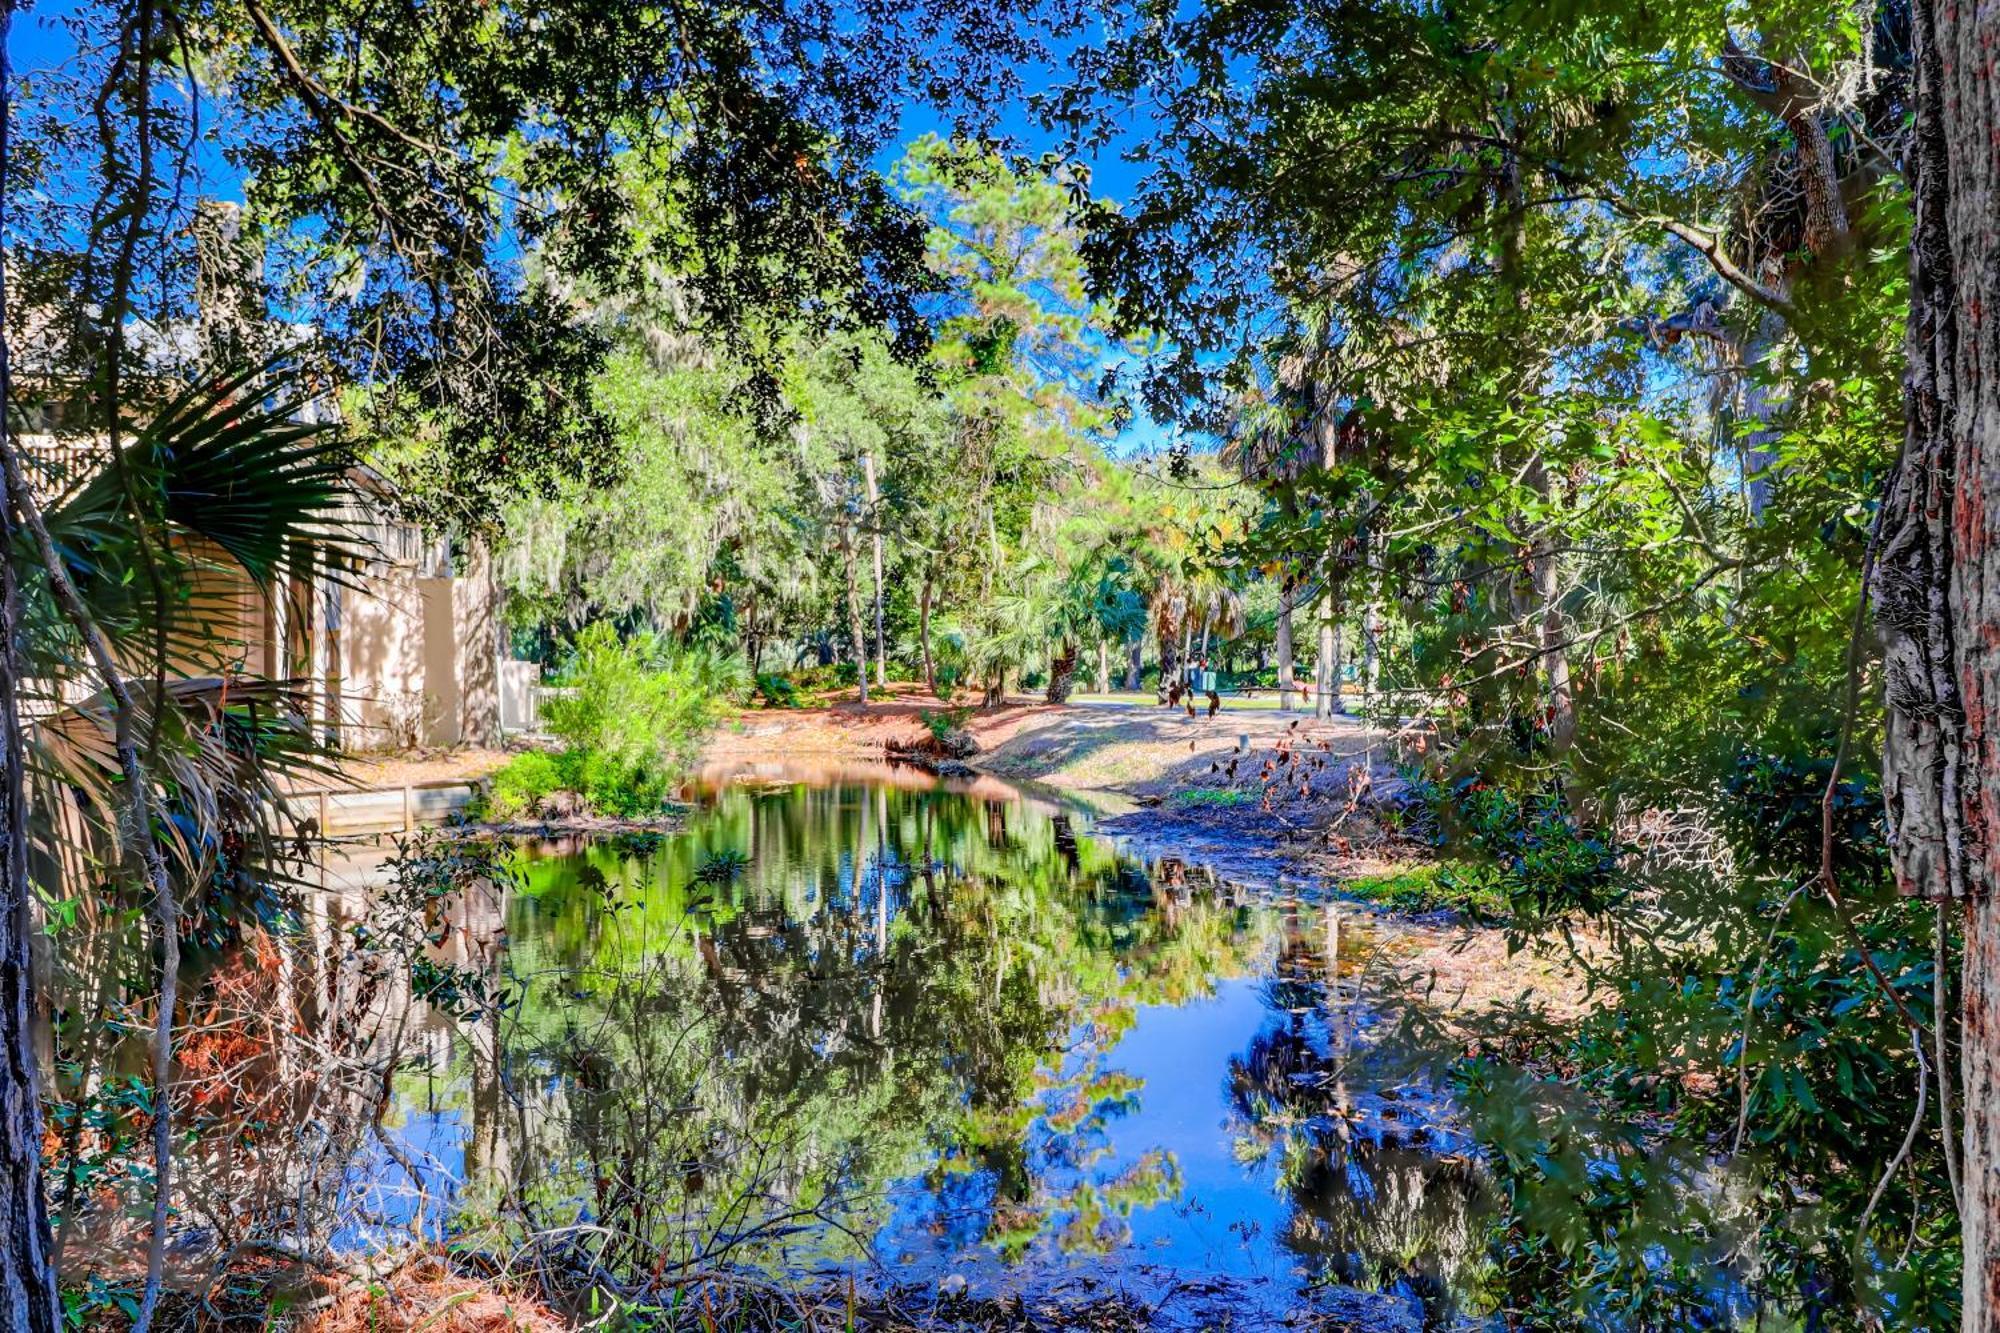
column 401, row 651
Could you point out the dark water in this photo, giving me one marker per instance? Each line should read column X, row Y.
column 863, row 1023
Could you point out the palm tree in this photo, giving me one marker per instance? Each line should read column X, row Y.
column 132, row 747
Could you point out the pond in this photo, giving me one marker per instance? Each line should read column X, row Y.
column 862, row 1023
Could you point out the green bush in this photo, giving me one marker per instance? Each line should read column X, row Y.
column 1475, row 890
column 633, row 717
column 637, row 705
column 518, row 788
column 777, row 692
column 615, row 786
column 820, row 679
column 1210, row 797
column 942, row 722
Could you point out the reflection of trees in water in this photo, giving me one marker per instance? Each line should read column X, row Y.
column 896, row 978
column 1376, row 1200
column 287, row 1039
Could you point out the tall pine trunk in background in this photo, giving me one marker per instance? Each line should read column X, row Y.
column 1326, row 671
column 924, row 632
column 1936, row 582
column 28, row 1299
column 875, row 538
column 1288, row 686
column 856, row 635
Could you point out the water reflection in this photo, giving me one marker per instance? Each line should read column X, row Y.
column 850, row 1021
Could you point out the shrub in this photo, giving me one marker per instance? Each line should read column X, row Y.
column 777, row 692
column 636, row 704
column 518, row 788
column 614, row 786
column 632, row 720
column 1475, row 890
column 1526, row 847
column 1211, row 796
column 941, row 722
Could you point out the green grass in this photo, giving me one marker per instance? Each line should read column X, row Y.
column 1429, row 886
column 1210, row 796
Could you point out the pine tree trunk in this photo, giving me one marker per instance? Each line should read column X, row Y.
column 924, row 633
column 875, row 537
column 1979, row 1072
column 1936, row 581
column 1135, row 666
column 1546, row 609
column 1371, row 651
column 1326, row 675
column 1288, row 686
column 1103, row 682
column 28, row 1298
column 1336, row 703
column 856, row 636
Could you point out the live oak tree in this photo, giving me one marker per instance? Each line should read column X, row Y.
column 1934, row 573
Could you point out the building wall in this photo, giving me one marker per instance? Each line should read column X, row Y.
column 476, row 633
column 387, row 697
column 440, row 658
column 395, row 652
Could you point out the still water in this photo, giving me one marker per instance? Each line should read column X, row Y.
column 859, row 1022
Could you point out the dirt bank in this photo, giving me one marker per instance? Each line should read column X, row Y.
column 1142, row 750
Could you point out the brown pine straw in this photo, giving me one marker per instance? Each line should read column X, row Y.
column 425, row 1296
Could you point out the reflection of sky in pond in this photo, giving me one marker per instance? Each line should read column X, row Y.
column 992, row 1046
column 1182, row 1106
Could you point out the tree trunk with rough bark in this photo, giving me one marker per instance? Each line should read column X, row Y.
column 875, row 537
column 1371, row 651
column 1936, row 580
column 1135, row 666
column 1544, row 573
column 1326, row 672
column 28, row 1299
